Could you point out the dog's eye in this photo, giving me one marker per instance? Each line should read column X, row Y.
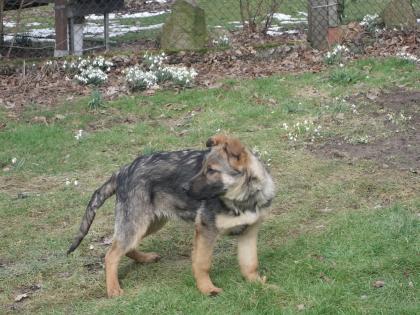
column 211, row 171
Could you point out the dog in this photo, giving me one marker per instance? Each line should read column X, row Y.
column 224, row 189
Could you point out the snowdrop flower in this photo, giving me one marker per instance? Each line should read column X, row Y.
column 14, row 160
column 79, row 134
column 138, row 79
column 91, row 75
column 221, row 41
column 408, row 57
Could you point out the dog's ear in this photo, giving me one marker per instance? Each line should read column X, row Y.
column 216, row 140
column 235, row 150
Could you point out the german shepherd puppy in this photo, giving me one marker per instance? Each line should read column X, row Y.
column 223, row 189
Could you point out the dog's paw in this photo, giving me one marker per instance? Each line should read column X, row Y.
column 142, row 257
column 210, row 290
column 255, row 277
column 151, row 257
column 114, row 292
column 262, row 279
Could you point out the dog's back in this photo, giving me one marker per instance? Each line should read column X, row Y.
column 153, row 184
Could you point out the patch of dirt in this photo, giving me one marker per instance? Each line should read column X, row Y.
column 400, row 99
column 21, row 188
column 401, row 150
column 94, row 267
column 114, row 118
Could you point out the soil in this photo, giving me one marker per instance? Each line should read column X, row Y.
column 399, row 151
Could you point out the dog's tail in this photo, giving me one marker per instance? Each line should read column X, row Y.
column 98, row 198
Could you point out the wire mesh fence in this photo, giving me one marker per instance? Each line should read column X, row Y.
column 32, row 28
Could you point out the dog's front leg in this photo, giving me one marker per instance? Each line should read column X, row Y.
column 247, row 254
column 204, row 241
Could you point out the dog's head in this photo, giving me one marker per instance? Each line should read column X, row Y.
column 224, row 168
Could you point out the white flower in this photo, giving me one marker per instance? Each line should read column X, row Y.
column 182, row 76
column 76, row 182
column 221, row 41
column 91, row 75
column 408, row 57
column 79, row 134
column 14, row 160
column 138, row 79
column 67, row 182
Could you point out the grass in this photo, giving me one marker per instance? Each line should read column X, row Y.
column 335, row 228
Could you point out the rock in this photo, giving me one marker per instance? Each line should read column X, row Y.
column 59, row 117
column 185, row 28
column 340, row 116
column 39, row 120
column 399, row 13
column 21, row 297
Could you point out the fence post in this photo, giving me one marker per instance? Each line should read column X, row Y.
column 78, row 25
column 1, row 23
column 106, row 31
column 61, row 43
column 322, row 22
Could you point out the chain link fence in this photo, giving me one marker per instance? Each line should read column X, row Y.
column 33, row 28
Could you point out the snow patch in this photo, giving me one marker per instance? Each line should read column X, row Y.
column 138, row 15
column 276, row 31
column 288, row 19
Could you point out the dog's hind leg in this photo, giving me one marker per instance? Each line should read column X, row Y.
column 112, row 260
column 247, row 254
column 130, row 227
column 143, row 257
column 204, row 242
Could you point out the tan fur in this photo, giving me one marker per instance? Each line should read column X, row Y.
column 142, row 257
column 115, row 253
column 247, row 254
column 112, row 259
column 225, row 222
column 204, row 241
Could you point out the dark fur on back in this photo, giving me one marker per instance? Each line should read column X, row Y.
column 150, row 182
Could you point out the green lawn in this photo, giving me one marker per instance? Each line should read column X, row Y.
column 336, row 227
